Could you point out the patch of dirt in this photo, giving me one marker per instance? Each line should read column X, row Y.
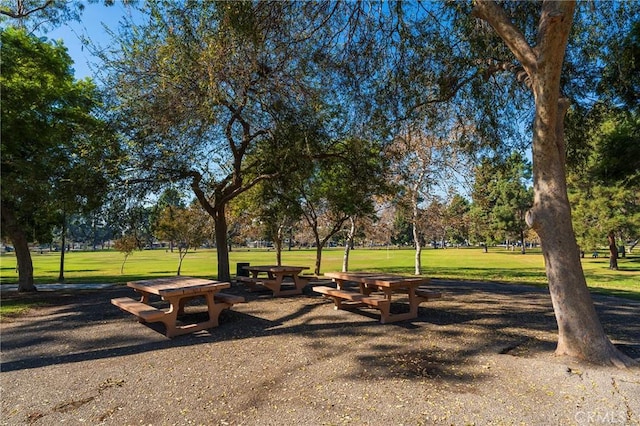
column 483, row 354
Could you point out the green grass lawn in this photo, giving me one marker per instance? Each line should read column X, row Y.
column 458, row 264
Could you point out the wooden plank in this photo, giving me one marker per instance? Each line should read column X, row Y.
column 139, row 309
column 428, row 294
column 276, row 269
column 350, row 276
column 230, row 299
column 395, row 281
column 172, row 286
column 351, row 296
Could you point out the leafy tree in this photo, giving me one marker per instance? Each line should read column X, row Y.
column 456, row 218
column 126, row 244
column 56, row 155
column 278, row 216
column 621, row 74
column 483, row 204
column 514, row 198
column 342, row 185
column 402, row 226
column 422, row 161
column 91, row 229
column 221, row 73
column 604, row 184
column 45, row 14
column 579, row 329
column 170, row 200
column 603, row 141
column 505, row 62
column 432, row 223
column 189, row 227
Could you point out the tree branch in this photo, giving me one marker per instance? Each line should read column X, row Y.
column 518, row 71
column 21, row 12
column 495, row 16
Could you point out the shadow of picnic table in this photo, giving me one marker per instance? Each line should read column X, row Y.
column 482, row 317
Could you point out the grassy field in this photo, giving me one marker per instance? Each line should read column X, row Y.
column 461, row 264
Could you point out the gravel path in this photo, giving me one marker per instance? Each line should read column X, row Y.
column 482, row 355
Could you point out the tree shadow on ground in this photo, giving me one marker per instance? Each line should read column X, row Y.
column 471, row 319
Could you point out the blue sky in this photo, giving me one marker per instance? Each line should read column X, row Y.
column 91, row 25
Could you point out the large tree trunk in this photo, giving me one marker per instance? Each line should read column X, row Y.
column 416, row 234
column 277, row 243
column 580, row 333
column 316, row 270
column 21, row 246
column 348, row 244
column 63, row 243
column 221, row 243
column 613, row 251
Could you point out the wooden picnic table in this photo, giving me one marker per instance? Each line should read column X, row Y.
column 282, row 280
column 376, row 290
column 177, row 291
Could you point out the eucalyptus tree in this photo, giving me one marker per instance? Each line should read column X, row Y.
column 56, row 153
column 199, row 88
column 504, row 62
column 535, row 50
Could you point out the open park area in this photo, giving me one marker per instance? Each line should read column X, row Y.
column 481, row 354
column 177, row 187
column 498, row 264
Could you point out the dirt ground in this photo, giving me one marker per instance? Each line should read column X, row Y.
column 483, row 355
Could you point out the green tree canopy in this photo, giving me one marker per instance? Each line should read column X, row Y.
column 56, row 153
column 501, row 197
column 201, row 90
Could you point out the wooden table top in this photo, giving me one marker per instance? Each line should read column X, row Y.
column 351, row 276
column 275, row 268
column 378, row 279
column 173, row 286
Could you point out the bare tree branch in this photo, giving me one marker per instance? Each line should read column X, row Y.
column 490, row 12
column 21, row 12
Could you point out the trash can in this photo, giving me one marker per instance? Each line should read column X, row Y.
column 240, row 271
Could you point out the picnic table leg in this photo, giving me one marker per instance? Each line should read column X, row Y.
column 170, row 318
column 277, row 286
column 414, row 302
column 367, row 289
column 183, row 301
column 144, row 297
column 300, row 282
column 214, row 309
column 385, row 312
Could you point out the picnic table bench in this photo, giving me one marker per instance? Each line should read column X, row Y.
column 375, row 290
column 177, row 291
column 281, row 280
